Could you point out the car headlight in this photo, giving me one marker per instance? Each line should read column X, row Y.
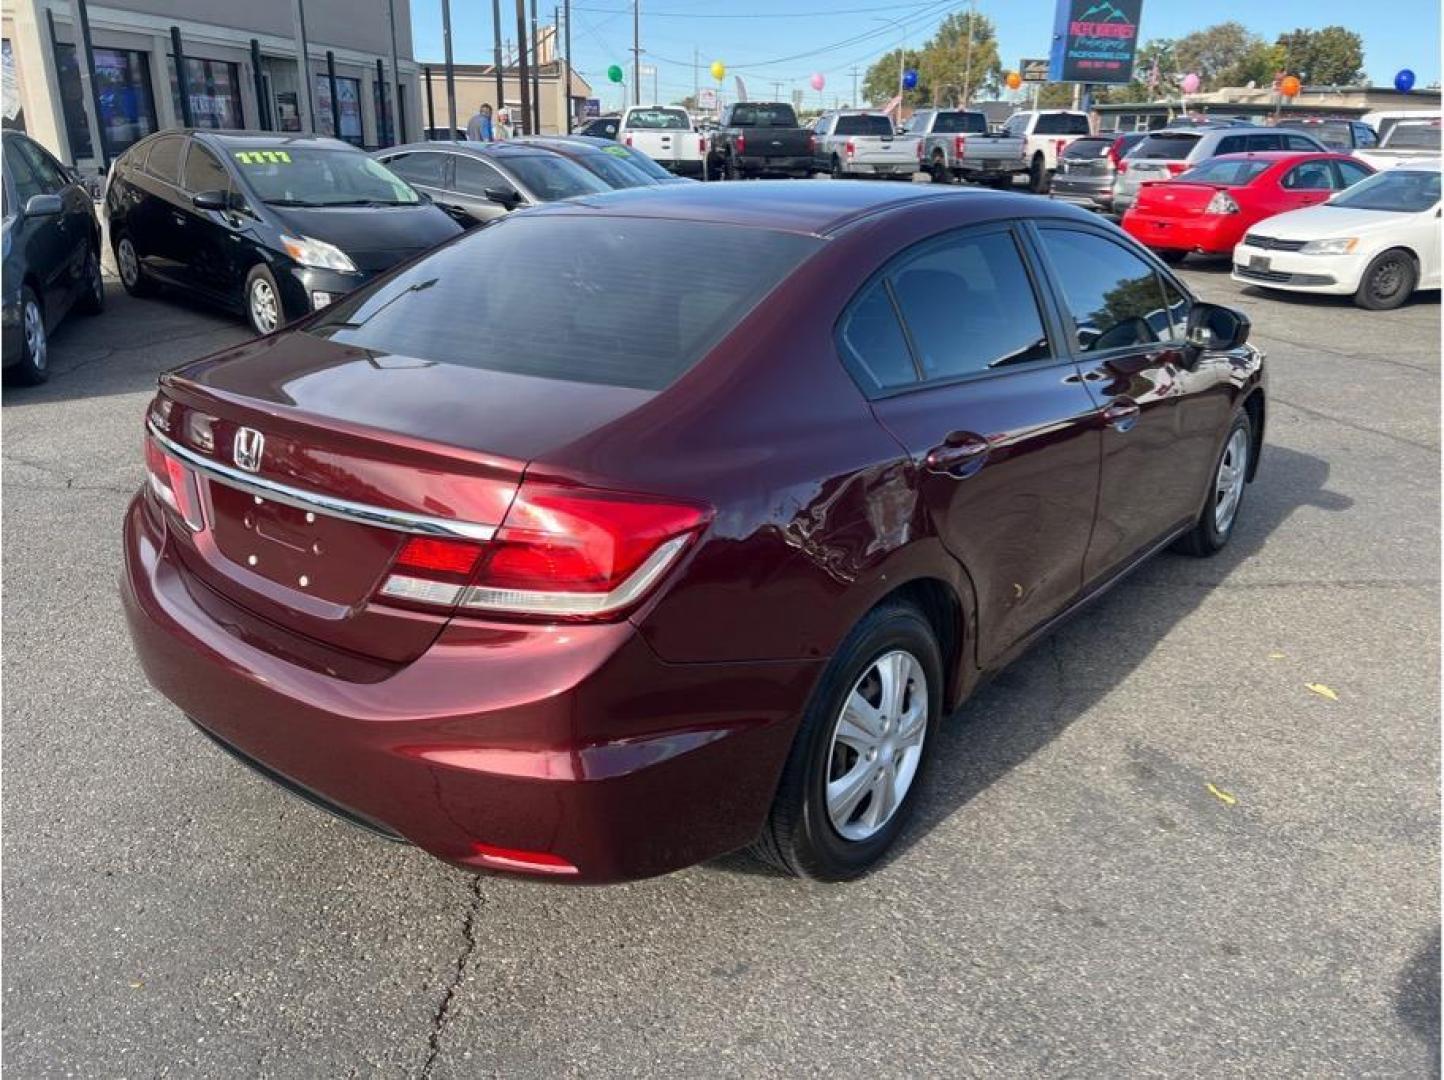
column 1342, row 246
column 311, row 252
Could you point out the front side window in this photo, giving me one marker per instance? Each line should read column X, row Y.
column 312, row 176
column 22, row 173
column 1351, row 172
column 204, row 172
column 475, row 177
column 1310, row 176
column 427, row 168
column 1115, row 298
column 968, row 306
column 47, row 170
column 1227, row 172
column 550, row 176
column 1364, row 136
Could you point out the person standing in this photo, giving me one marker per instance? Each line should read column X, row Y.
column 480, row 127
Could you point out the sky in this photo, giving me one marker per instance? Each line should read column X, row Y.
column 777, row 45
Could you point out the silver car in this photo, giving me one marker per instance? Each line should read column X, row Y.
column 1170, row 151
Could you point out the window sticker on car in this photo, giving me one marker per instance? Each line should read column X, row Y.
column 616, row 151
column 262, row 157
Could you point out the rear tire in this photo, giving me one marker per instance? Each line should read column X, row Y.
column 1388, row 281
column 92, row 300
column 1228, row 481
column 1172, row 258
column 858, row 743
column 836, row 168
column 33, row 367
column 938, row 170
column 132, row 275
column 1038, row 179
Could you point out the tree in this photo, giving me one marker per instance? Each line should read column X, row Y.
column 960, row 59
column 1055, row 95
column 1210, row 52
column 880, row 83
column 1258, row 65
column 1333, row 56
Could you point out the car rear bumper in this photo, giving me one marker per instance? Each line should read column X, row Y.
column 1212, row 235
column 1092, row 196
column 879, row 168
column 792, row 164
column 570, row 742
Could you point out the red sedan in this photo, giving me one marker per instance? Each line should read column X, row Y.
column 1210, row 207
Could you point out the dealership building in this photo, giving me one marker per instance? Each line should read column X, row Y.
column 239, row 67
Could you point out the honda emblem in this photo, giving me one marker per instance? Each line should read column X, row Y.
column 247, row 449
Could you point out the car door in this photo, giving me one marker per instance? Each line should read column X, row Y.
column 157, row 223
column 215, row 237
column 475, row 182
column 429, row 172
column 46, row 248
column 1306, row 184
column 962, row 361
column 1160, row 418
column 76, row 221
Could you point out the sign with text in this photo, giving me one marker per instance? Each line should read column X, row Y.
column 1033, row 70
column 1094, row 41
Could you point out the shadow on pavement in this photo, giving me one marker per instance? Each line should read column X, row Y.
column 1416, row 998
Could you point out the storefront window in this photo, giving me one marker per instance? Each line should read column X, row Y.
column 14, row 115
column 214, row 89
column 122, row 83
column 348, row 95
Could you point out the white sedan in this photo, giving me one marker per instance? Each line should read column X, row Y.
column 1378, row 240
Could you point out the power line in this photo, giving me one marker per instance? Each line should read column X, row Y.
column 755, row 14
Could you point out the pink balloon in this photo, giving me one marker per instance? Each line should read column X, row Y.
column 818, row 81
column 1191, row 83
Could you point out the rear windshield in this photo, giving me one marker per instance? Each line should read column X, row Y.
column 660, row 119
column 763, row 116
column 1062, row 124
column 1413, row 137
column 312, row 176
column 1402, row 190
column 579, row 297
column 1335, row 134
column 1225, row 172
column 1166, row 145
column 867, row 124
column 1087, row 149
column 960, row 123
column 550, row 176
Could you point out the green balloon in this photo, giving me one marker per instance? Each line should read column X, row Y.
column 615, row 73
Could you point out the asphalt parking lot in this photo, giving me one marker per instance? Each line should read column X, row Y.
column 1149, row 847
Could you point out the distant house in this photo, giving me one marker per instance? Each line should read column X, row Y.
column 1262, row 104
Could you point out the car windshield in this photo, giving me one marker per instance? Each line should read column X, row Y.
column 591, row 281
column 1402, row 190
column 659, row 119
column 616, row 170
column 319, row 176
column 1225, row 172
column 1413, row 137
column 637, row 160
column 550, row 176
column 1166, row 145
column 960, row 123
column 863, row 124
column 763, row 116
column 1334, row 134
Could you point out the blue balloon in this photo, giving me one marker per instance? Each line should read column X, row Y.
column 1404, row 81
column 910, row 79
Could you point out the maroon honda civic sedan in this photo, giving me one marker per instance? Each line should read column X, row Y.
column 630, row 531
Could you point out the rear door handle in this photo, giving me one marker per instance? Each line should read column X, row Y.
column 961, row 455
column 1121, row 414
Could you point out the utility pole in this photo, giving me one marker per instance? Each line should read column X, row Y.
column 496, row 60
column 854, row 87
column 450, row 72
column 636, row 52
column 968, row 71
column 521, row 67
column 536, row 107
column 566, row 73
column 696, row 78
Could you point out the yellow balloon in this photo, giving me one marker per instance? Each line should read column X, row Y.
column 1014, row 80
column 719, row 70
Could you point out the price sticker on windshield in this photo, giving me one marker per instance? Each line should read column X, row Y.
column 262, row 157
column 615, row 151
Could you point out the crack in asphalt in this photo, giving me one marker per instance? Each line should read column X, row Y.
column 1340, row 354
column 67, row 482
column 1274, row 399
column 443, row 1008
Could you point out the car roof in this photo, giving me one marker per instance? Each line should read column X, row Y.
column 1281, row 155
column 262, row 138
column 817, row 209
column 501, row 150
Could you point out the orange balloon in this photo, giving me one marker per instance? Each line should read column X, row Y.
column 1014, row 80
column 1290, row 86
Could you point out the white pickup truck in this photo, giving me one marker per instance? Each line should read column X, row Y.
column 855, row 143
column 1046, row 132
column 956, row 143
column 666, row 135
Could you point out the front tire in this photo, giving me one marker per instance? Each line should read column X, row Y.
column 852, row 776
column 1211, row 533
column 1388, row 281
column 92, row 300
column 263, row 302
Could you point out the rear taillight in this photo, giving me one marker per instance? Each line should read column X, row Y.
column 1115, row 153
column 560, row 552
column 1222, row 203
column 1176, row 167
column 921, row 149
column 850, row 149
column 626, row 140
column 1122, row 165
column 741, row 143
column 702, row 145
column 960, row 144
column 812, row 143
column 173, row 484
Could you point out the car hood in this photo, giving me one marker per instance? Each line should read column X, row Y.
column 1324, row 222
column 373, row 237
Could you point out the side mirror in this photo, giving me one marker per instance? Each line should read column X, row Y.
column 503, row 197
column 43, row 206
column 211, row 200
column 1215, row 328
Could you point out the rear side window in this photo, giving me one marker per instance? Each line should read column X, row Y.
column 1116, row 299
column 1167, row 146
column 872, row 341
column 204, row 172
column 592, row 281
column 960, row 123
column 1231, row 172
column 473, row 177
column 1304, row 144
column 1263, row 141
column 1364, row 136
column 1062, row 124
column 863, row 125
column 427, row 168
column 1350, row 173
column 164, row 160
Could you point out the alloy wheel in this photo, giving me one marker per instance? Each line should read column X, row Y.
column 1229, row 484
column 126, row 262
column 35, row 342
column 876, row 745
column 264, row 310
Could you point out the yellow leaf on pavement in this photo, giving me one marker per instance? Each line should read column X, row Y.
column 1222, row 796
column 1322, row 690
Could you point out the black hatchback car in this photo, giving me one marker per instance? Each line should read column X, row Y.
column 52, row 255
column 273, row 226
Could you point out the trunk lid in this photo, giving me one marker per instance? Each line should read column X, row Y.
column 1176, row 199
column 358, row 453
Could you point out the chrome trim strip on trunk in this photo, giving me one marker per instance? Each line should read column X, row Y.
column 361, row 513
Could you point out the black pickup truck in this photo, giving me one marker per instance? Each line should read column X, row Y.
column 760, row 138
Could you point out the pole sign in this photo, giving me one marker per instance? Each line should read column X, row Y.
column 1033, row 70
column 593, row 107
column 1094, row 41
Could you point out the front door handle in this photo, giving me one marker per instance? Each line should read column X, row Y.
column 1121, row 414
column 961, row 455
